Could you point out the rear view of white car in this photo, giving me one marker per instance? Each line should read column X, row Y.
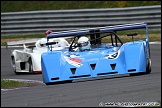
column 28, row 59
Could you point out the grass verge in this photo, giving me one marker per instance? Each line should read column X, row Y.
column 153, row 37
column 10, row 84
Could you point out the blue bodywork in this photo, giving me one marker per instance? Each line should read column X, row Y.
column 104, row 59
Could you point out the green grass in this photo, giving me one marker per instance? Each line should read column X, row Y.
column 23, row 36
column 153, row 36
column 19, row 6
column 9, row 84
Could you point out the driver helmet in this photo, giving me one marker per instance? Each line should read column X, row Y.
column 84, row 43
column 48, row 32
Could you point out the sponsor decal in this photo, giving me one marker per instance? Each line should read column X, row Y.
column 74, row 61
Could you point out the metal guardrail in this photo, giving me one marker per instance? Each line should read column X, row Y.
column 35, row 22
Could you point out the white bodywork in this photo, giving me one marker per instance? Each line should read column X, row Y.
column 28, row 59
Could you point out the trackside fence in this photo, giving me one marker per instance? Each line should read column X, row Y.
column 37, row 22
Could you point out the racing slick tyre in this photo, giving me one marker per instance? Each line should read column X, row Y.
column 13, row 64
column 148, row 66
column 30, row 66
column 148, row 63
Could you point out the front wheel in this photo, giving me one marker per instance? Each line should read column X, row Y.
column 30, row 66
column 148, row 66
column 13, row 64
column 59, row 82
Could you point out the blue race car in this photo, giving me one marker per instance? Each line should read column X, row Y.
column 95, row 52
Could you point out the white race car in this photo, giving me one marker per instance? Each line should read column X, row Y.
column 28, row 59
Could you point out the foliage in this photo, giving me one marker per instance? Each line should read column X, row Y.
column 10, row 84
column 5, row 83
column 19, row 6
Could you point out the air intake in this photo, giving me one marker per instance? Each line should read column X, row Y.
column 113, row 66
column 73, row 70
column 56, row 78
column 107, row 73
column 93, row 66
column 80, row 76
column 131, row 70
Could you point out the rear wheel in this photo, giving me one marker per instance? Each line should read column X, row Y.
column 30, row 66
column 13, row 64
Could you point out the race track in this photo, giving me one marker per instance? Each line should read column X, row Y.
column 93, row 92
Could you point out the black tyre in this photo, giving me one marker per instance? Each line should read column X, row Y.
column 148, row 66
column 148, row 63
column 30, row 66
column 13, row 64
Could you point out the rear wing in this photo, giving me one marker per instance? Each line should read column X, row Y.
column 21, row 42
column 71, row 33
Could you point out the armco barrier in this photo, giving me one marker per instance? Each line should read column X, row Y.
column 35, row 22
